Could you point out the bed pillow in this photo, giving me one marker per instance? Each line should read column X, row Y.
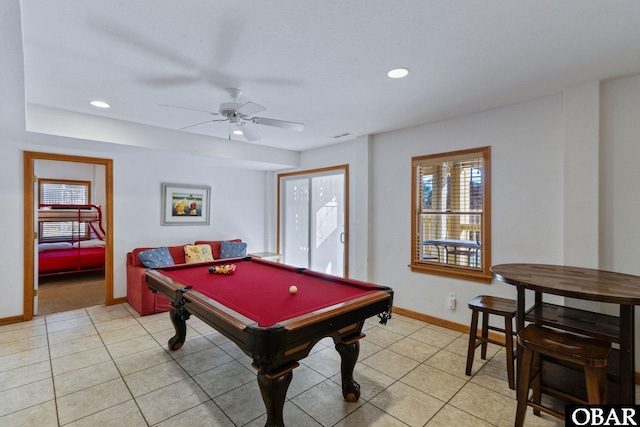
column 53, row 246
column 96, row 243
column 233, row 250
column 197, row 253
column 158, row 257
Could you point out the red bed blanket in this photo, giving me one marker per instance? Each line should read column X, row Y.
column 70, row 260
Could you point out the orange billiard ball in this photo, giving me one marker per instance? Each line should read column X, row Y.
column 293, row 289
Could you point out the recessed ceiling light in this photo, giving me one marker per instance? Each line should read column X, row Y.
column 398, row 73
column 99, row 104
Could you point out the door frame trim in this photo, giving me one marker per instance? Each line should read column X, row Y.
column 29, row 157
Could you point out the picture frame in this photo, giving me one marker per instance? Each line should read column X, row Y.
column 185, row 204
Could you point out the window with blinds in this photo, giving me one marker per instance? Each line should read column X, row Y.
column 451, row 214
column 67, row 193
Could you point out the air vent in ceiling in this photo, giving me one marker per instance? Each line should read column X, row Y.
column 341, row 135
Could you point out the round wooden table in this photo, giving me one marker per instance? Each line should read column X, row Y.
column 585, row 284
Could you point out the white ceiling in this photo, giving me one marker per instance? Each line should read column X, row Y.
column 322, row 63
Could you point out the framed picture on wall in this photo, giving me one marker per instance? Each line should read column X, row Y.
column 184, row 204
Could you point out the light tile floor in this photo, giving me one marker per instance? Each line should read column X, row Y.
column 109, row 366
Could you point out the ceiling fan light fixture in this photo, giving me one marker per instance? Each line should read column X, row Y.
column 99, row 104
column 398, row 73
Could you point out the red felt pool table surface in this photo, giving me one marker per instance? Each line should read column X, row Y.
column 259, row 289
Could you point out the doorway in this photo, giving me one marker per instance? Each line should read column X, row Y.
column 31, row 228
column 313, row 219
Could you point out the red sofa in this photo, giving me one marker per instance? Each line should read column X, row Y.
column 138, row 294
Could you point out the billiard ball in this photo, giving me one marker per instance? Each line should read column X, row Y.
column 211, row 270
column 293, row 289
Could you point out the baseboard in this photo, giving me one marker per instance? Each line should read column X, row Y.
column 18, row 319
column 430, row 319
column 120, row 300
column 458, row 327
column 10, row 320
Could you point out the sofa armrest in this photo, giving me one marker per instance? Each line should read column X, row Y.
column 139, row 295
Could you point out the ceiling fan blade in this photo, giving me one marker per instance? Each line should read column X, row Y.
column 144, row 43
column 187, row 108
column 250, row 108
column 248, row 132
column 299, row 127
column 201, row 123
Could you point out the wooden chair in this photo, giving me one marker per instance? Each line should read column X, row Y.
column 589, row 353
column 488, row 305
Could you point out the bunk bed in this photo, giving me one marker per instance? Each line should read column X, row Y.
column 78, row 254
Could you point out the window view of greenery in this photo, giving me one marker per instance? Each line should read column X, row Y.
column 450, row 221
column 67, row 193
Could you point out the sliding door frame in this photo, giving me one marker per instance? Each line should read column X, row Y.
column 324, row 171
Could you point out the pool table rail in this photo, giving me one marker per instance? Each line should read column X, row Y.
column 255, row 340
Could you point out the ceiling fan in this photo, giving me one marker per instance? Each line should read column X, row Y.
column 240, row 117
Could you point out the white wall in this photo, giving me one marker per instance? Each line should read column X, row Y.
column 526, row 199
column 11, row 275
column 619, row 194
column 564, row 191
column 237, row 204
column 355, row 153
column 563, row 171
column 237, row 207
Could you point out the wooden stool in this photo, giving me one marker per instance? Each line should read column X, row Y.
column 501, row 307
column 589, row 353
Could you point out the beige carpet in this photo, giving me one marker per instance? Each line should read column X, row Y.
column 70, row 292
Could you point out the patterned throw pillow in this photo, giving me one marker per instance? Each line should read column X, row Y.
column 197, row 253
column 158, row 257
column 233, row 250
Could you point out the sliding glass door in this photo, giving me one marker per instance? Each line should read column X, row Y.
column 313, row 219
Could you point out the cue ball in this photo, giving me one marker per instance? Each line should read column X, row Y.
column 293, row 289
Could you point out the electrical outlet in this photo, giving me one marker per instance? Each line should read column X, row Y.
column 452, row 301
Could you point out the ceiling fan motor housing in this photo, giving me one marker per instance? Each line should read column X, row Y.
column 229, row 108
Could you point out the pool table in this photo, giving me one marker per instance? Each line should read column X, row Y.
column 255, row 308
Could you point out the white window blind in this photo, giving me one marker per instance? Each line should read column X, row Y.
column 67, row 193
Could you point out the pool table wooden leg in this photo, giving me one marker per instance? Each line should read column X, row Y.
column 179, row 315
column 180, row 325
column 274, row 392
column 349, row 352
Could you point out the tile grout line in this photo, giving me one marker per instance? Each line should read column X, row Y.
column 53, row 380
column 445, row 403
column 197, row 334
column 186, row 372
column 118, row 369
